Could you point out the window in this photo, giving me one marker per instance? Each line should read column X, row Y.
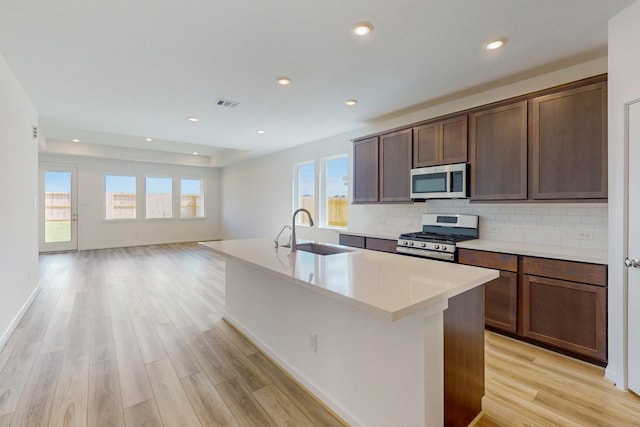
column 120, row 197
column 159, row 198
column 57, row 206
column 334, row 203
column 304, row 190
column 191, row 198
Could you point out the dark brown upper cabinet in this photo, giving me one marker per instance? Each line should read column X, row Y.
column 395, row 166
column 498, row 152
column 569, row 144
column 365, row 170
column 381, row 168
column 440, row 143
column 548, row 145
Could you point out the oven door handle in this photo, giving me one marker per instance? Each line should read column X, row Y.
column 445, row 256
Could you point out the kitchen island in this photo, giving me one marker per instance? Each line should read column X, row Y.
column 373, row 335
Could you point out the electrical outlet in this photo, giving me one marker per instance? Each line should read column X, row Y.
column 313, row 342
column 493, row 229
column 585, row 235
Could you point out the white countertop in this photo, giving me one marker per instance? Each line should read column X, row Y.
column 543, row 251
column 388, row 285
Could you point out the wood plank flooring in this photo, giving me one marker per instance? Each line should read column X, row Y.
column 529, row 386
column 135, row 337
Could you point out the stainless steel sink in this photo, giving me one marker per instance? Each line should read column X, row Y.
column 320, row 249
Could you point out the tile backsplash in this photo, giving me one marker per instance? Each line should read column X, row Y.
column 579, row 225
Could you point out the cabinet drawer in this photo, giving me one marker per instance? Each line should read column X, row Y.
column 501, row 302
column 384, row 245
column 351, row 240
column 568, row 315
column 594, row 274
column 493, row 260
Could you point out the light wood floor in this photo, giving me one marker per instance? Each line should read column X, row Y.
column 134, row 337
column 529, row 386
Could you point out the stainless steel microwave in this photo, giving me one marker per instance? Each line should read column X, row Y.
column 440, row 182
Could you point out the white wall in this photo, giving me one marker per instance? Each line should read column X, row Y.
column 257, row 194
column 624, row 86
column 94, row 232
column 19, row 216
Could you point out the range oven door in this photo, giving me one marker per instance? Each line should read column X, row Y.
column 442, row 256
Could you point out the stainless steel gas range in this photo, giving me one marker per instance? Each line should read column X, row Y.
column 439, row 235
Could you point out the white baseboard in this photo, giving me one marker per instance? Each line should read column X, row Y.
column 327, row 401
column 18, row 318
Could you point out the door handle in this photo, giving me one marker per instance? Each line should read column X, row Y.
column 632, row 262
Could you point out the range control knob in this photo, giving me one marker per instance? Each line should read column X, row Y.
column 405, row 243
column 424, row 245
column 436, row 247
column 410, row 243
column 444, row 248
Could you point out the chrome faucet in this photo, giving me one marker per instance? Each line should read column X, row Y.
column 293, row 226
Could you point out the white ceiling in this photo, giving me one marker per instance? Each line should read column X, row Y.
column 114, row 72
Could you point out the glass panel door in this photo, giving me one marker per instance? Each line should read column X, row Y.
column 58, row 209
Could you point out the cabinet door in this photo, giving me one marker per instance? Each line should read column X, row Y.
column 501, row 302
column 498, row 153
column 365, row 170
column 384, row 245
column 569, row 144
column 568, row 315
column 453, row 133
column 426, row 145
column 440, row 143
column 501, row 294
column 351, row 240
column 395, row 166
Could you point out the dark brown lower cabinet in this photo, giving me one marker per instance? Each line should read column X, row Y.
column 501, row 294
column 559, row 304
column 501, row 302
column 372, row 243
column 351, row 240
column 568, row 315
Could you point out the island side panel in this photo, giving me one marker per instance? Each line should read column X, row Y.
column 464, row 357
column 369, row 370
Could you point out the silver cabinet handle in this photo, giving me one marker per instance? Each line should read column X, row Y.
column 632, row 262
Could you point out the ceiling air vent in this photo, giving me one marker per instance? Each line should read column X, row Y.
column 227, row 103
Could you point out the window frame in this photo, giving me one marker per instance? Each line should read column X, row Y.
column 296, row 190
column 136, row 198
column 322, row 201
column 202, row 195
column 173, row 202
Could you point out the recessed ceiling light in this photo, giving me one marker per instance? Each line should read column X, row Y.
column 260, row 131
column 362, row 28
column 351, row 102
column 148, row 139
column 283, row 80
column 495, row 44
column 195, row 153
column 192, row 119
column 75, row 140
